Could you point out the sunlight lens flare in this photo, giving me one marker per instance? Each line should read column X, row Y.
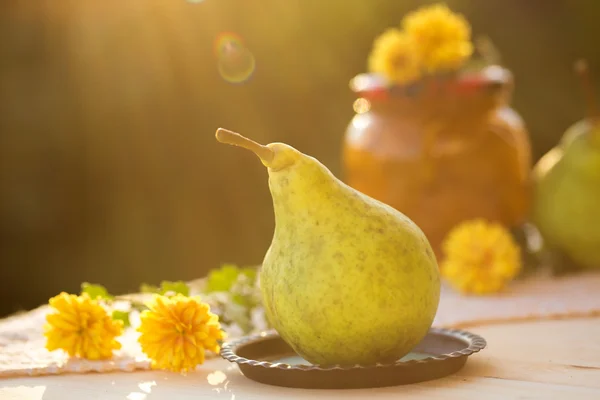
column 235, row 61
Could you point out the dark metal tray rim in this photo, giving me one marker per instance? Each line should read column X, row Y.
column 228, row 351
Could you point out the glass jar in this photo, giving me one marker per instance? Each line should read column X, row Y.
column 441, row 151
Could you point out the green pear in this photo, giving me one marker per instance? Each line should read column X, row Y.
column 347, row 279
column 566, row 196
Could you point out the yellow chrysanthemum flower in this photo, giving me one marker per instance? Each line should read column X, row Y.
column 81, row 327
column 480, row 257
column 442, row 38
column 176, row 331
column 393, row 56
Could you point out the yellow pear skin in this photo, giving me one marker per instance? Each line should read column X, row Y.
column 347, row 279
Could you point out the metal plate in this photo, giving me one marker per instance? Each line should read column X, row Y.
column 266, row 358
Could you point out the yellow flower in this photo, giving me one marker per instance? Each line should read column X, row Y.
column 393, row 56
column 480, row 257
column 176, row 332
column 442, row 38
column 81, row 327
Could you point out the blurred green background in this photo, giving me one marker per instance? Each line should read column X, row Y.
column 109, row 170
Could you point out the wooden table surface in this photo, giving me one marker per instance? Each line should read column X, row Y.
column 527, row 360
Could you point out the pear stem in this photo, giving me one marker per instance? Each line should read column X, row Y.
column 581, row 67
column 235, row 139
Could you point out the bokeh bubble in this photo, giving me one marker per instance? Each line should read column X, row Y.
column 225, row 41
column 361, row 105
column 235, row 61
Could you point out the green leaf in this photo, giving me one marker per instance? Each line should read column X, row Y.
column 167, row 287
column 123, row 316
column 95, row 291
column 241, row 300
column 145, row 288
column 250, row 272
column 223, row 278
column 178, row 287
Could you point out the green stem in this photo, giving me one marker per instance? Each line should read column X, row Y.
column 582, row 69
column 593, row 112
column 235, row 139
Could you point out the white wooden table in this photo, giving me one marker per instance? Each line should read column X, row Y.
column 526, row 360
